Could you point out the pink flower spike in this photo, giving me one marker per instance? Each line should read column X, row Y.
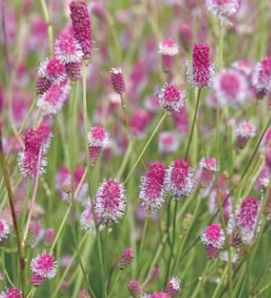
column 4, row 230
column 261, row 76
column 201, row 72
column 247, row 218
column 168, row 49
column 87, row 221
column 152, row 192
column 28, row 164
column 179, row 179
column 117, row 80
column 171, row 98
column 110, row 201
column 37, row 280
column 82, row 26
column 135, row 288
column 42, row 85
column 244, row 132
column 44, row 266
column 168, row 142
column 13, row 293
column 126, row 258
column 213, row 235
column 173, row 287
column 74, row 70
column 138, row 123
column 159, row 295
column 55, row 71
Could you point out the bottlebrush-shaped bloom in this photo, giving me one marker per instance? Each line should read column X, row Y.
column 37, row 280
column 138, row 123
column 244, row 132
column 52, row 70
column 98, row 141
column 221, row 198
column 87, row 221
column 42, row 85
column 159, row 295
column 29, row 165
column 168, row 142
column 179, row 179
column 53, row 100
column 44, row 265
column 173, row 287
column 214, row 239
column 81, row 25
column 67, row 49
column 171, row 98
column 223, row 9
column 247, row 219
column 186, row 36
column 168, row 49
column 13, row 293
column 74, row 70
column 135, row 288
column 230, row 87
column 37, row 138
column 117, row 79
column 152, row 192
column 110, row 201
column 261, row 76
column 4, row 230
column 201, row 72
column 206, row 171
column 126, row 258
column 49, row 236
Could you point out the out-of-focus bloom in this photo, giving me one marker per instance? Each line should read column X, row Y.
column 117, row 79
column 13, row 293
column 44, row 265
column 206, row 171
column 186, row 36
column 138, row 123
column 49, row 236
column 98, row 141
column 219, row 198
column 35, row 233
column 83, row 294
column 263, row 179
column 261, row 76
column 168, row 49
column 86, row 219
column 4, row 230
column 135, row 288
column 168, row 142
column 201, row 72
column 52, row 70
column 179, row 179
column 126, row 258
column 244, row 132
column 173, row 287
column 222, row 9
column 247, row 219
column 82, row 26
column 110, row 201
column 35, row 139
column 159, row 295
column 230, row 87
column 171, row 98
column 37, row 280
column 52, row 101
column 152, row 193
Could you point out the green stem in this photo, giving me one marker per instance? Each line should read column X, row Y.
column 49, row 26
column 115, row 284
column 220, row 283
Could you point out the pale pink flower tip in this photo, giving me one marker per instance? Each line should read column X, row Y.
column 230, row 87
column 201, row 73
column 261, row 76
column 126, row 258
column 4, row 230
column 13, row 293
column 168, row 49
column 244, row 132
column 159, row 295
column 44, row 266
column 247, row 219
column 152, row 192
column 110, row 201
column 213, row 235
column 179, row 179
column 171, row 98
column 117, row 79
column 169, row 142
column 37, row 280
column 173, row 287
column 83, row 294
column 135, row 288
column 87, row 221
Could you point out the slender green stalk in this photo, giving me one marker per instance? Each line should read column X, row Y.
column 220, row 283
column 115, row 284
column 49, row 26
column 143, row 234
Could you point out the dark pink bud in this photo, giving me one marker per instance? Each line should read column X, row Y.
column 82, row 26
column 173, row 287
column 135, row 288
column 13, row 293
column 74, row 70
column 211, row 252
column 117, row 80
column 42, row 85
column 126, row 258
column 186, row 36
column 37, row 280
column 171, row 98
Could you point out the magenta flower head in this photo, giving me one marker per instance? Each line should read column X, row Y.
column 4, row 230
column 53, row 100
column 173, row 287
column 49, row 236
column 168, row 143
column 168, row 49
column 186, row 36
column 13, row 293
column 230, row 87
column 171, row 98
column 44, row 265
column 135, row 288
column 29, row 164
column 52, row 70
column 201, row 72
column 247, row 218
column 138, row 123
column 222, row 9
column 126, row 258
column 244, row 132
column 179, row 179
column 110, row 201
column 152, row 192
column 37, row 280
column 82, row 26
column 207, row 169
column 159, row 295
column 117, row 79
column 98, row 141
column 87, row 221
column 214, row 239
column 261, row 76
